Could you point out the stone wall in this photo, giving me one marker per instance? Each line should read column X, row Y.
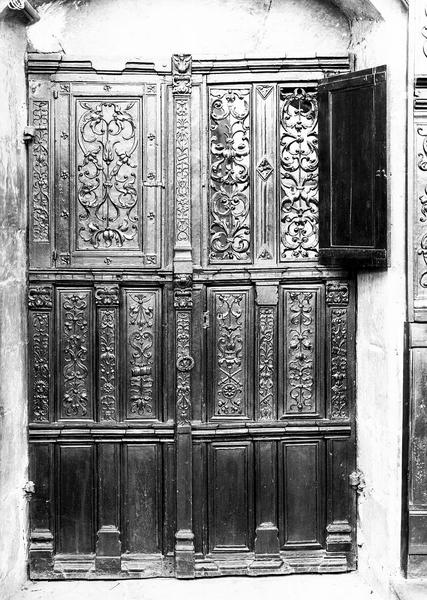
column 13, row 216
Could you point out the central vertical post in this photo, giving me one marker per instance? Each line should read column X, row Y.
column 183, row 303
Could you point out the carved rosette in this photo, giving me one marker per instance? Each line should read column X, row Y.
column 181, row 90
column 107, row 301
column 40, row 305
column 40, row 186
column 183, row 302
column 337, row 297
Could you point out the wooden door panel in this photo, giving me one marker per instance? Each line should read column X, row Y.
column 141, row 493
column 301, row 496
column 230, row 496
column 76, row 514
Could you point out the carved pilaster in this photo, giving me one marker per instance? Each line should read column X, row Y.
column 40, row 303
column 184, row 548
column 107, row 302
column 181, row 90
column 337, row 299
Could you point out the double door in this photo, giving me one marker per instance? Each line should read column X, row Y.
column 191, row 362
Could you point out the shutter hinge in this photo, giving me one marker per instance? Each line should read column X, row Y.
column 206, row 322
column 381, row 173
column 29, row 133
column 29, row 489
column 357, row 481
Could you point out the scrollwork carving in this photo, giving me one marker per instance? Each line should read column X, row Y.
column 107, row 364
column 266, row 363
column 141, row 322
column 107, row 295
column 337, row 293
column 75, row 333
column 229, row 204
column 422, row 245
column 40, row 297
column 182, row 171
column 107, row 164
column 300, row 351
column 184, row 364
column 339, row 388
column 40, row 367
column 230, row 354
column 40, row 172
column 298, row 175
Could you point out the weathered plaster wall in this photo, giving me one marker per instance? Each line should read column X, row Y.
column 13, row 419
column 381, row 317
column 158, row 28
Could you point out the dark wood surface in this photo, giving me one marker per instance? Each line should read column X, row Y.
column 353, row 169
column 191, row 361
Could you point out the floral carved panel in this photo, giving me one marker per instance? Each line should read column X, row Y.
column 75, row 354
column 298, row 175
column 266, row 364
column 40, row 158
column 301, row 351
column 230, row 385
column 108, row 197
column 141, row 341
column 40, row 366
column 229, row 176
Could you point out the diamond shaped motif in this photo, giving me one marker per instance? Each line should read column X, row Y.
column 264, row 169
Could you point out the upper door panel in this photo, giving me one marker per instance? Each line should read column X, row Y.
column 96, row 175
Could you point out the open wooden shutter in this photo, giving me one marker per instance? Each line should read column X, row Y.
column 353, row 169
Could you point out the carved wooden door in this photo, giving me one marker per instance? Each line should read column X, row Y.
column 191, row 362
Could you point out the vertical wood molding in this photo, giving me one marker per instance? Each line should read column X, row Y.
column 183, row 303
column 181, row 91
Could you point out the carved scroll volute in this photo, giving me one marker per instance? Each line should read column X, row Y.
column 181, row 90
column 266, row 323
column 107, row 302
column 337, row 300
column 40, row 303
column 183, row 302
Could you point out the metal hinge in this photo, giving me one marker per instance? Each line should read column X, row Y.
column 206, row 322
column 29, row 489
column 29, row 133
column 357, row 481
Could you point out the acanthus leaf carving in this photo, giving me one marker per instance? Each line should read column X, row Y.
column 301, row 351
column 107, row 166
column 107, row 295
column 230, row 354
column 76, row 336
column 40, row 297
column 298, row 175
column 229, row 198
column 141, row 347
column 40, row 367
column 339, row 364
column 107, row 377
column 266, row 363
column 40, row 191
column 337, row 293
